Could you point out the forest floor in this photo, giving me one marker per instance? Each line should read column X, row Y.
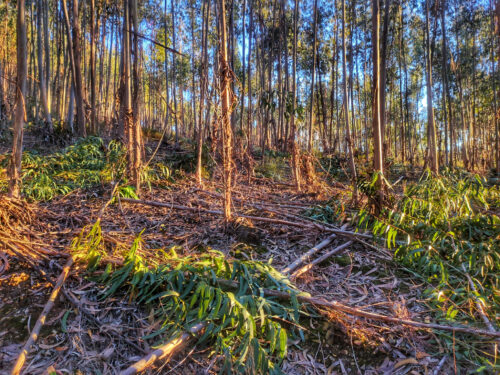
column 104, row 336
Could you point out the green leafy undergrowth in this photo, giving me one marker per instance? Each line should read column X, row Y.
column 444, row 230
column 248, row 329
column 87, row 163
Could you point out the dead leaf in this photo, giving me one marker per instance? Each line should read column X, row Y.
column 421, row 355
column 407, row 361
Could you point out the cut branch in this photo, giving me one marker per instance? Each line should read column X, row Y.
column 337, row 306
column 255, row 218
column 305, row 257
column 167, row 349
column 322, row 258
column 41, row 319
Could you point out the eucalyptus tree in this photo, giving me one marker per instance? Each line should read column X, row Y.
column 14, row 170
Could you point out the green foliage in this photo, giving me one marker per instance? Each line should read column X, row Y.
column 245, row 325
column 274, row 167
column 444, row 229
column 87, row 163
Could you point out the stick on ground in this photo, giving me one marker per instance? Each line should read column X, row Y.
column 305, row 257
column 322, row 258
column 41, row 319
column 169, row 348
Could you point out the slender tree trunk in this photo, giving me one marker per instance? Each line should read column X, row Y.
column 383, row 75
column 20, row 115
column 126, row 111
column 431, row 126
column 249, row 79
column 203, row 86
column 225, row 78
column 93, row 123
column 80, row 111
column 352, row 164
column 135, row 139
column 313, row 70
column 174, row 69
column 293, row 130
column 447, row 140
column 377, row 125
column 41, row 75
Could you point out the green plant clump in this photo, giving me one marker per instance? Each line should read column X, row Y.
column 245, row 325
column 87, row 163
column 447, row 230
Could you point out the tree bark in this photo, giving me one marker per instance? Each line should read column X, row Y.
column 376, row 122
column 293, row 128
column 80, row 111
column 350, row 150
column 313, row 70
column 93, row 124
column 226, row 103
column 431, row 125
column 20, row 114
column 41, row 74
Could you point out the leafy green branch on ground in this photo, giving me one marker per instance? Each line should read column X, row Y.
column 249, row 329
column 444, row 229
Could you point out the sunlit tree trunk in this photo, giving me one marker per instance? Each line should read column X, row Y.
column 293, row 130
column 203, row 86
column 225, row 87
column 378, row 160
column 383, row 77
column 447, row 138
column 135, row 143
column 41, row 75
column 350, row 146
column 431, row 125
column 19, row 118
column 313, row 70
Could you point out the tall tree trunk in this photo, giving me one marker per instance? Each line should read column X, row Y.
column 80, row 111
column 293, row 130
column 174, row 69
column 203, row 86
column 126, row 112
column 41, row 75
column 225, row 82
column 313, row 70
column 22, row 71
column 383, row 76
column 378, row 160
column 431, row 126
column 447, row 139
column 93, row 124
column 135, row 139
column 350, row 150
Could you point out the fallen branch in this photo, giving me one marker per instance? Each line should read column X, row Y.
column 337, row 306
column 322, row 258
column 305, row 257
column 169, row 348
column 250, row 217
column 41, row 319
